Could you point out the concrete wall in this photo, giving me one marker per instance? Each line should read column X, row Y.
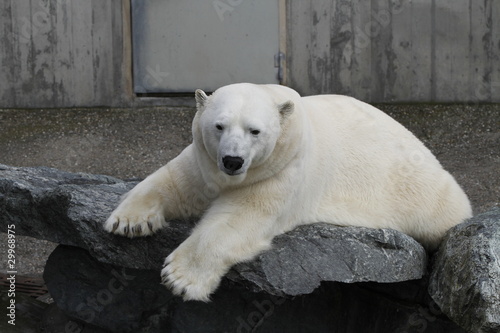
column 396, row 50
column 63, row 53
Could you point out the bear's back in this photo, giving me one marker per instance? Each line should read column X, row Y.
column 378, row 173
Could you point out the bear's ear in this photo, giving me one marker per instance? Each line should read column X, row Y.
column 286, row 109
column 201, row 98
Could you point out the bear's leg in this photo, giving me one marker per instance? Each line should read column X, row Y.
column 142, row 210
column 225, row 236
column 168, row 193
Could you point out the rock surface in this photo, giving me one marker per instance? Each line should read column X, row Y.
column 304, row 257
column 465, row 282
column 130, row 300
column 108, row 296
column 70, row 209
column 316, row 278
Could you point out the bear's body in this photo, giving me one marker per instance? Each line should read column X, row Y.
column 264, row 160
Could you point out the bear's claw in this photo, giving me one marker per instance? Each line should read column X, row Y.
column 186, row 279
column 137, row 230
column 134, row 226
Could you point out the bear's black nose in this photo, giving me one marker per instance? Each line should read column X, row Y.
column 232, row 163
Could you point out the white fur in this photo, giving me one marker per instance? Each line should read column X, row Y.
column 316, row 159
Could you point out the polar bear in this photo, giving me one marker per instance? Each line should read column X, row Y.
column 264, row 160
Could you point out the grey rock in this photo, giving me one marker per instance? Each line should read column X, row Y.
column 70, row 209
column 304, row 257
column 107, row 296
column 315, row 278
column 129, row 300
column 55, row 320
column 465, row 281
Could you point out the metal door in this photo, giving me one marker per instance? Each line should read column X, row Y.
column 179, row 46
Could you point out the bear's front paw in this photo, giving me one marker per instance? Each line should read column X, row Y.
column 193, row 277
column 134, row 221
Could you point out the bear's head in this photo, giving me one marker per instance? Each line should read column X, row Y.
column 240, row 125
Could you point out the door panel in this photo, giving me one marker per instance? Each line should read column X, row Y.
column 179, row 46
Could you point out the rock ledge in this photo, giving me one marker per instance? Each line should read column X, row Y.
column 317, row 278
column 465, row 282
column 70, row 209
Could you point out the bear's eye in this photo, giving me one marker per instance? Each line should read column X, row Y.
column 219, row 127
column 255, row 132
